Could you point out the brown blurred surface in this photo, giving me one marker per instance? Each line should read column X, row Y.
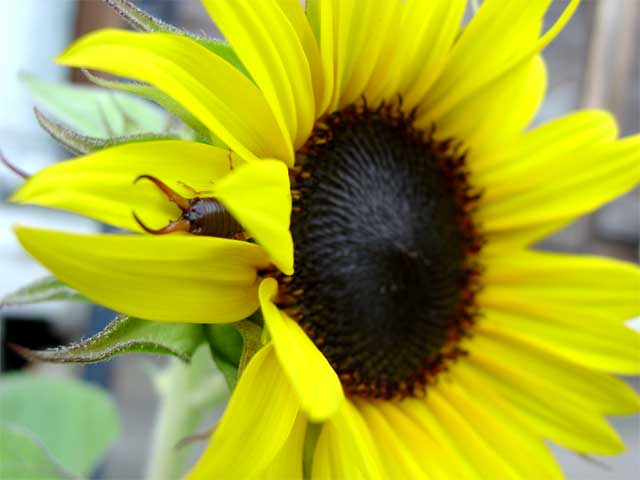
column 93, row 15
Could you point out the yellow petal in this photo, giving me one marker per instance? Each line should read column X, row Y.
column 522, row 451
column 497, row 114
column 296, row 16
column 345, row 448
column 327, row 41
column 601, row 346
column 531, row 161
column 417, row 410
column 560, row 379
column 171, row 278
column 422, row 47
column 560, row 196
column 367, row 36
column 360, row 31
column 517, row 166
column 344, row 40
column 326, row 463
column 100, row 185
column 220, row 96
column 496, row 43
column 587, row 283
column 269, row 47
column 287, row 464
column 309, row 372
column 258, row 420
column 477, row 449
column 398, row 460
column 389, row 32
column 566, row 424
column 258, row 196
column 438, row 463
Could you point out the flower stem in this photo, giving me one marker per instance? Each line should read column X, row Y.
column 187, row 392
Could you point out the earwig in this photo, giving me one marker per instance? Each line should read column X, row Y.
column 200, row 216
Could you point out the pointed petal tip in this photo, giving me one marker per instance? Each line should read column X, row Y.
column 66, row 57
column 258, row 195
column 284, row 259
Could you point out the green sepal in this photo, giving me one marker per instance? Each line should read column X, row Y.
column 144, row 22
column 139, row 19
column 96, row 112
column 312, row 9
column 309, row 448
column 23, row 457
column 232, row 346
column 79, row 144
column 126, row 335
column 165, row 101
column 76, row 422
column 47, row 289
column 225, row 343
column 224, row 51
column 251, row 342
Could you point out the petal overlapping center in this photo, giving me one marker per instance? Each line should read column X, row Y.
column 259, row 197
column 312, row 377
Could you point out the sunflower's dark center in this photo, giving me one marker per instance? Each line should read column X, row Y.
column 381, row 251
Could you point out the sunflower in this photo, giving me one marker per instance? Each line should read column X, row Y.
column 370, row 166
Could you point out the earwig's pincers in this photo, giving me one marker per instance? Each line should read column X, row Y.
column 200, row 216
column 180, row 201
column 180, row 225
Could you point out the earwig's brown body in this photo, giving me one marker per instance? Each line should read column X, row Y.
column 207, row 216
column 200, row 216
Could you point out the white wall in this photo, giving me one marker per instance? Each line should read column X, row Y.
column 32, row 33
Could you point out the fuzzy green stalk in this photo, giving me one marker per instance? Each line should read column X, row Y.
column 187, row 392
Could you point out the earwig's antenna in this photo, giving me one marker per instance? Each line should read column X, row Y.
column 180, row 225
column 179, row 200
column 13, row 168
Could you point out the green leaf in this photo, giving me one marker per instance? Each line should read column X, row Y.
column 23, row 457
column 94, row 111
column 126, row 335
column 79, row 144
column 75, row 421
column 165, row 101
column 46, row 289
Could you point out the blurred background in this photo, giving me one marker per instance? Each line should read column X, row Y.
column 593, row 63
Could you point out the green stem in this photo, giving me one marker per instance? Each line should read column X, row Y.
column 187, row 392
